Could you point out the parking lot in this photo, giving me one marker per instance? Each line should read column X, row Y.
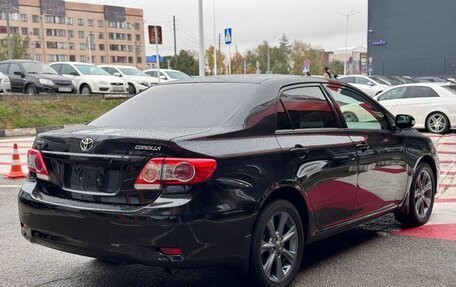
column 376, row 254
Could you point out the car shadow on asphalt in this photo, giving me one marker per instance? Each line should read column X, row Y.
column 354, row 238
column 100, row 273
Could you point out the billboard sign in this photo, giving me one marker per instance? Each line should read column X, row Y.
column 114, row 13
column 152, row 37
column 53, row 8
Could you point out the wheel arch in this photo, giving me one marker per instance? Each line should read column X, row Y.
column 84, row 83
column 295, row 197
column 428, row 159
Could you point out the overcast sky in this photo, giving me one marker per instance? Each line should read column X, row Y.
column 315, row 21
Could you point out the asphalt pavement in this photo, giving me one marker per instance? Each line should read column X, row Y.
column 379, row 253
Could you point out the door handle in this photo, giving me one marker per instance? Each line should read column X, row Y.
column 362, row 147
column 300, row 151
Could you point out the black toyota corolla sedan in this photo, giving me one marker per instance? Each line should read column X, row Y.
column 235, row 171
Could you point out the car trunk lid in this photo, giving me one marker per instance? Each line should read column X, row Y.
column 101, row 164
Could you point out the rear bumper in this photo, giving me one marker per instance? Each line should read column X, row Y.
column 135, row 236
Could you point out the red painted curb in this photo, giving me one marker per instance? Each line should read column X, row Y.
column 435, row 231
column 447, row 185
column 447, row 152
column 445, row 200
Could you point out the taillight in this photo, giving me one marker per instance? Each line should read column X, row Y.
column 174, row 171
column 36, row 164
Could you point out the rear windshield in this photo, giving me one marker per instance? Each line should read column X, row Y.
column 451, row 88
column 193, row 105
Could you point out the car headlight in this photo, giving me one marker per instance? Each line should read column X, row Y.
column 46, row 82
column 103, row 83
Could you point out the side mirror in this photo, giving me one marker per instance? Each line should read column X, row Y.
column 19, row 74
column 370, row 84
column 163, row 78
column 405, row 121
column 74, row 74
column 117, row 74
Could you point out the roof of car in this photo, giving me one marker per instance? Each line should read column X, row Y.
column 19, row 61
column 431, row 84
column 254, row 79
column 117, row 66
column 73, row 63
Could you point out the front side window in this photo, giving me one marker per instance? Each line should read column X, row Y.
column 358, row 112
column 393, row 94
column 14, row 68
column 349, row 80
column 308, row 108
column 68, row 70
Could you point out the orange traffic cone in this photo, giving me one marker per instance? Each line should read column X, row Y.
column 16, row 169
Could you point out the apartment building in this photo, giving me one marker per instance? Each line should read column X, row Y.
column 69, row 31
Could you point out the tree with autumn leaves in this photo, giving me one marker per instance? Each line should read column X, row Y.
column 284, row 58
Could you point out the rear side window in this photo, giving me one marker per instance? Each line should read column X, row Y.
column 393, row 94
column 418, row 92
column 307, row 108
column 179, row 106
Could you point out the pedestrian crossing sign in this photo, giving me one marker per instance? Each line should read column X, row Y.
column 228, row 36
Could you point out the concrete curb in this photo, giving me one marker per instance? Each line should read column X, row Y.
column 29, row 131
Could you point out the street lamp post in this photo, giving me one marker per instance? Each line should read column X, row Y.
column 201, row 38
column 89, row 44
column 215, row 42
column 347, row 16
column 7, row 9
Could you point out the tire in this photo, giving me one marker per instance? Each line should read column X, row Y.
column 437, row 123
column 31, row 90
column 131, row 89
column 350, row 117
column 421, row 202
column 85, row 90
column 280, row 243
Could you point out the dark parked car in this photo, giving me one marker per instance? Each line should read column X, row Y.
column 32, row 77
column 237, row 171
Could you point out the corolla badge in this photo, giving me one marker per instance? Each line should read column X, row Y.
column 86, row 144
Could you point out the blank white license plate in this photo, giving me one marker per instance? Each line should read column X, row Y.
column 64, row 89
column 118, row 90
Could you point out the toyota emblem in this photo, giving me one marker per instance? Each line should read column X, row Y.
column 86, row 144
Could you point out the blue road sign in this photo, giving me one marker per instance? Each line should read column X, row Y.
column 228, row 36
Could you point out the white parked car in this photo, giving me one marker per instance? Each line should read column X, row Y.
column 433, row 105
column 91, row 79
column 167, row 75
column 137, row 81
column 5, row 84
column 370, row 86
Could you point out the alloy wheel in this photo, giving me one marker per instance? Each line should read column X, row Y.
column 437, row 123
column 423, row 193
column 350, row 117
column 279, row 248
